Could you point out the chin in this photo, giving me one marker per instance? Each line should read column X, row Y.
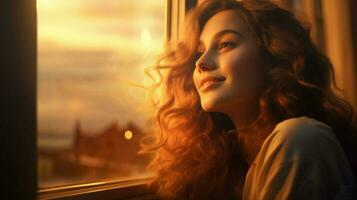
column 209, row 106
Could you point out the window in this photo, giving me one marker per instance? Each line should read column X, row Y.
column 91, row 117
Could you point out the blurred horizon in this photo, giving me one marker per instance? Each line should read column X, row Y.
column 89, row 53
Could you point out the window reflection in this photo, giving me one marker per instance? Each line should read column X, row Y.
column 90, row 117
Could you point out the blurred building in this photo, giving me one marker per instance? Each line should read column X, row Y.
column 109, row 153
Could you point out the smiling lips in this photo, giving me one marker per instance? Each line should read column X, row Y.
column 210, row 81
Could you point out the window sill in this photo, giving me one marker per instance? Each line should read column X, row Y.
column 110, row 190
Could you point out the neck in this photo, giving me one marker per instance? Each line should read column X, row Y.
column 244, row 116
column 250, row 134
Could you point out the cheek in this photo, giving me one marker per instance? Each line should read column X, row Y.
column 195, row 79
column 245, row 71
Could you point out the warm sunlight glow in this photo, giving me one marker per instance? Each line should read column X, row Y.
column 146, row 37
column 128, row 134
column 89, row 51
column 43, row 4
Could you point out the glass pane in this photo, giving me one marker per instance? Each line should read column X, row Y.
column 90, row 116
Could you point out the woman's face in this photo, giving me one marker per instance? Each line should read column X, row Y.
column 229, row 71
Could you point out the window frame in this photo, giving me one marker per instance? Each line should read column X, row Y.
column 18, row 102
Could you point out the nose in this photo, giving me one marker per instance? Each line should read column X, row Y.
column 205, row 63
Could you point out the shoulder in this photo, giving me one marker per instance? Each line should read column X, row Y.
column 303, row 132
column 301, row 157
column 301, row 138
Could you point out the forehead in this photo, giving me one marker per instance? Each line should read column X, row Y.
column 227, row 19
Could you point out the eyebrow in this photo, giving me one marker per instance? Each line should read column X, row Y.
column 226, row 31
column 221, row 33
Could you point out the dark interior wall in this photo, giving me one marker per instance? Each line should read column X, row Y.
column 18, row 99
column 353, row 13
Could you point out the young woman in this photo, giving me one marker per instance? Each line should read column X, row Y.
column 250, row 111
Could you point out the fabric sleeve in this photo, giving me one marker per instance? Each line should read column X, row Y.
column 302, row 161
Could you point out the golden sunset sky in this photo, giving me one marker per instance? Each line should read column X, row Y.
column 88, row 53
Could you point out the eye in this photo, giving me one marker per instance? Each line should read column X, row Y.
column 226, row 45
column 198, row 55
